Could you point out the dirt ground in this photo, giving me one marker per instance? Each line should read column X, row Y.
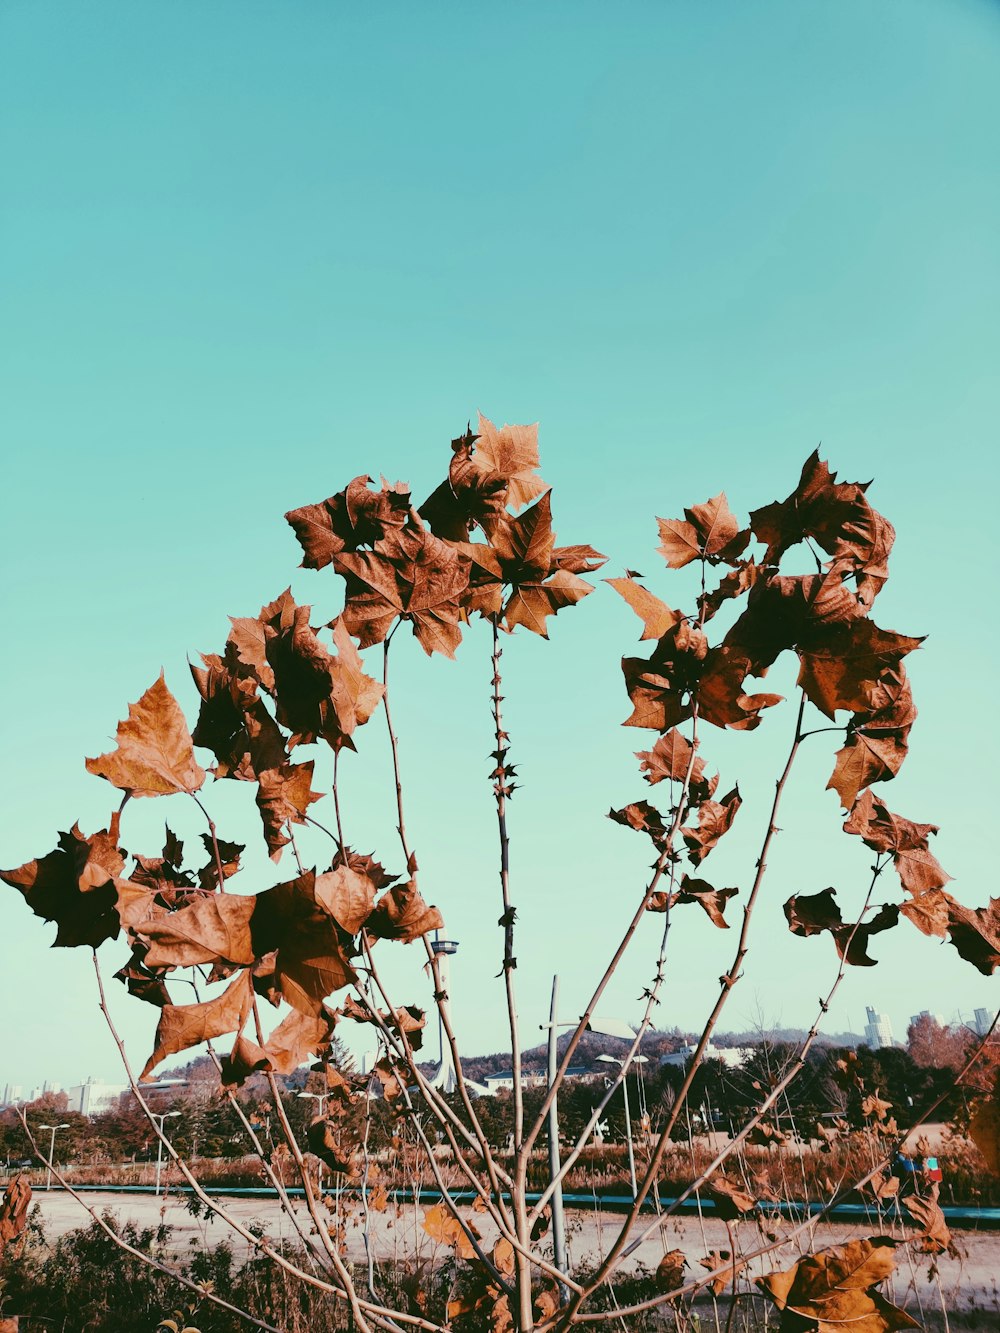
column 967, row 1284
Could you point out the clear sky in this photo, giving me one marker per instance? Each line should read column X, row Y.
column 251, row 250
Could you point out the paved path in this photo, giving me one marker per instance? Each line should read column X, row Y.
column 968, row 1282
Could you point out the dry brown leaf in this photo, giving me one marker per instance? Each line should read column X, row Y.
column 444, row 1228
column 155, row 756
column 182, row 1026
column 655, row 615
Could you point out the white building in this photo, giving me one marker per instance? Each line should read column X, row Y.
column 926, row 1013
column 981, row 1020
column 878, row 1030
column 94, row 1096
column 732, row 1056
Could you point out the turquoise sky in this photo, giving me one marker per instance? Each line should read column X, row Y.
column 251, row 250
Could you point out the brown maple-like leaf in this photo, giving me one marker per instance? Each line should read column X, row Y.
column 317, row 693
column 356, row 516
column 409, row 1019
column 542, row 578
column 811, row 914
column 934, row 1237
column 348, row 895
column 669, row 1273
column 310, row 950
column 512, row 452
column 155, row 756
column 363, row 864
column 655, row 615
column 670, row 759
column 74, row 886
column 644, row 818
column 662, row 686
column 930, row 912
column 14, row 1208
column 841, row 667
column 835, row 1288
column 246, row 1058
column 473, row 493
column 709, row 531
column 882, row 831
column 975, row 933
column 411, row 575
column 182, row 1026
column 715, row 818
column 402, row 914
column 712, row 901
column 283, row 795
column 327, row 1143
column 144, row 983
column 720, row 1260
column 721, row 697
column 444, row 1228
column 297, row 1037
column 233, row 722
column 740, row 579
column 730, row 1198
column 213, row 929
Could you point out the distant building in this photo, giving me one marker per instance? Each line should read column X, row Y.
column 878, row 1030
column 733, row 1056
column 94, row 1096
column 494, row 1083
column 926, row 1013
column 13, row 1093
column 981, row 1020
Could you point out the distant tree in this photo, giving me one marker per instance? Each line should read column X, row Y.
column 934, row 1045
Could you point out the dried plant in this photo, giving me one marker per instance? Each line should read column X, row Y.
column 482, row 547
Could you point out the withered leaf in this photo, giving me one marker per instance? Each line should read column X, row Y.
column 655, row 615
column 472, row 494
column 297, row 1037
column 333, row 1149
column 512, row 452
column 408, row 1019
column 182, row 1026
column 883, row 831
column 710, row 531
column 730, row 1198
column 835, row 1286
column 310, row 952
column 155, row 756
column 214, row 928
column 715, row 818
column 283, row 795
column 244, row 1059
column 669, row 1273
column 356, row 516
column 810, row 914
column 402, row 914
column 643, row 817
column 444, row 1227
column 233, row 722
column 347, row 895
column 740, row 579
column 716, row 1259
column 712, row 901
column 412, row 575
column 363, row 863
column 866, row 757
column 975, row 933
column 670, row 758
column 935, row 1237
column 841, row 667
column 984, row 1130
column 143, row 983
column 74, row 886
column 14, row 1207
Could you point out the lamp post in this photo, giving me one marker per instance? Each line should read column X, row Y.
column 638, row 1060
column 609, row 1027
column 161, row 1116
column 320, row 1097
column 446, row 1078
column 52, row 1151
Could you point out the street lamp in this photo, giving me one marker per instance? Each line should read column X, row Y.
column 320, row 1097
column 52, row 1151
column 161, row 1116
column 636, row 1060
